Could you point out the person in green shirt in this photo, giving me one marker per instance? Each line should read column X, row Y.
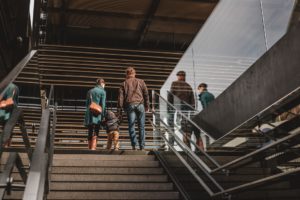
column 11, row 91
column 205, row 97
column 92, row 121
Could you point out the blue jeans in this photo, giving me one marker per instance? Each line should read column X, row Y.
column 136, row 111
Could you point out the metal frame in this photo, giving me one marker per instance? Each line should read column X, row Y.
column 37, row 185
column 184, row 102
column 262, row 114
column 5, row 179
column 16, row 117
column 14, row 159
column 193, row 123
column 15, row 72
column 174, row 179
column 207, row 171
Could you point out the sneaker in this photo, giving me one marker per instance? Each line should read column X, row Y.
column 142, row 148
column 133, row 148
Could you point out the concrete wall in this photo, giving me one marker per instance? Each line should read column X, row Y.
column 274, row 75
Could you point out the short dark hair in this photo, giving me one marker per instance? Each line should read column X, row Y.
column 130, row 71
column 180, row 73
column 202, row 85
column 99, row 81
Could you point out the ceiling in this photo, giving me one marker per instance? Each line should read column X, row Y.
column 145, row 24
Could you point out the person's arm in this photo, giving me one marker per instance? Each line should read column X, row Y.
column 192, row 98
column 120, row 100
column 145, row 96
column 16, row 95
column 170, row 94
column 205, row 101
column 103, row 103
column 88, row 100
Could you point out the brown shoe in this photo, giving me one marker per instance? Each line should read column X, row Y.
column 94, row 143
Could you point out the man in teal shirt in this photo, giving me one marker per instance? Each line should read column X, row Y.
column 205, row 97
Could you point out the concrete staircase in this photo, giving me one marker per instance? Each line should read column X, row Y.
column 135, row 175
column 106, row 175
column 287, row 189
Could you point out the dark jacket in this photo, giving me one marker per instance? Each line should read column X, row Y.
column 133, row 91
column 111, row 122
column 206, row 98
column 98, row 95
column 183, row 91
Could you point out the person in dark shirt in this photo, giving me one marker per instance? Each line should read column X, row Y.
column 112, row 124
column 182, row 90
column 181, row 96
column 205, row 97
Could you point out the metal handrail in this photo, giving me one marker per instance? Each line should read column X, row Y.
column 249, row 155
column 16, row 117
column 15, row 72
column 252, row 154
column 191, row 121
column 174, row 179
column 35, row 186
column 243, row 187
column 194, row 124
column 184, row 102
column 5, row 180
column 38, row 183
column 51, row 95
column 184, row 162
column 205, row 169
column 257, row 183
column 51, row 143
column 262, row 112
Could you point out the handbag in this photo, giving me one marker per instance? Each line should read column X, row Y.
column 95, row 108
column 8, row 103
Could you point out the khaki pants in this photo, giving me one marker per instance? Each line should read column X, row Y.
column 113, row 136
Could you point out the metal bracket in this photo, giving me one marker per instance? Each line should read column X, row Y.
column 9, row 182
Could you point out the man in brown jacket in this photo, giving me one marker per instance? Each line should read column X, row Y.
column 183, row 91
column 134, row 99
column 181, row 96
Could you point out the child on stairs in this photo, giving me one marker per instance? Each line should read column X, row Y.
column 112, row 124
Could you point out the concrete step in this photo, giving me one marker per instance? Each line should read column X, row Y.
column 71, row 186
column 104, row 163
column 109, row 178
column 106, row 170
column 113, row 195
column 85, row 157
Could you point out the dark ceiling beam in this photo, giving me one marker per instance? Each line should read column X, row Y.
column 105, row 31
column 125, row 15
column 145, row 25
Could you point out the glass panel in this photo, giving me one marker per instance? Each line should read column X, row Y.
column 236, row 34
